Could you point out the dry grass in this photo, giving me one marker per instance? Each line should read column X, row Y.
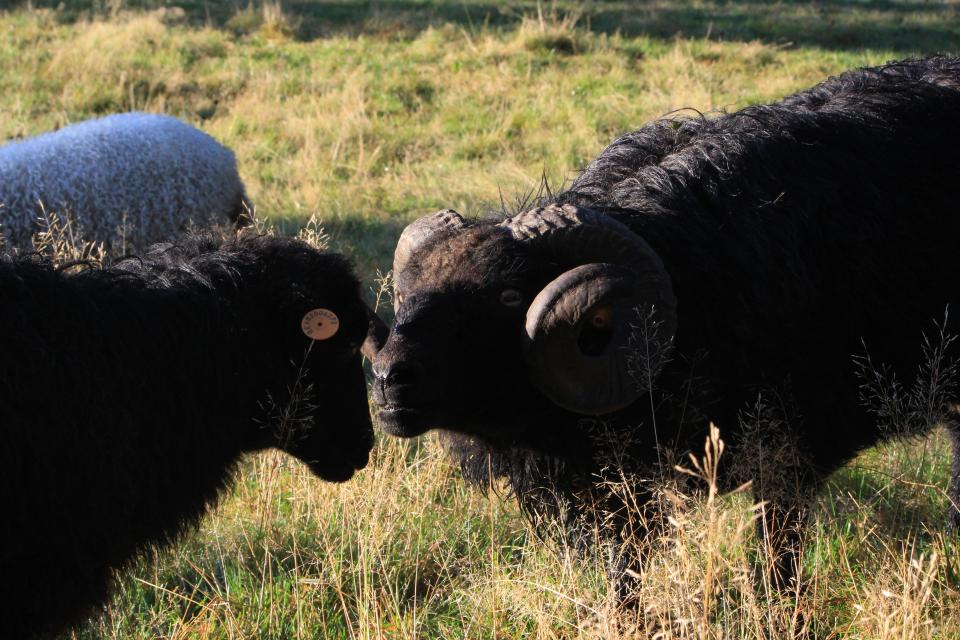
column 368, row 131
column 406, row 551
column 370, row 126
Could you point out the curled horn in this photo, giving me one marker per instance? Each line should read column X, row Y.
column 416, row 235
column 377, row 333
column 579, row 327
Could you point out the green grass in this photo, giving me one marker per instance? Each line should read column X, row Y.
column 369, row 114
column 400, row 108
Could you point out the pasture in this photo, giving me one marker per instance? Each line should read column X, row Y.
column 368, row 114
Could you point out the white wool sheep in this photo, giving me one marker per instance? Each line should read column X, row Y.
column 152, row 175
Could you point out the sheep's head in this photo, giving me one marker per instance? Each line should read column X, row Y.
column 313, row 325
column 496, row 322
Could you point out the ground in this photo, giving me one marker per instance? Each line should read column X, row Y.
column 368, row 114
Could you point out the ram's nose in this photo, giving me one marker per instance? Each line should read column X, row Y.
column 400, row 394
column 404, row 373
column 397, row 382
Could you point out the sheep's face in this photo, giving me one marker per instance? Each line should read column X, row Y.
column 524, row 323
column 454, row 358
column 326, row 421
column 315, row 401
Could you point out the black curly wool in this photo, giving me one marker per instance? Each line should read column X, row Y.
column 800, row 233
column 797, row 236
column 129, row 393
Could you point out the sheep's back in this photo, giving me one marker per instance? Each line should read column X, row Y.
column 150, row 174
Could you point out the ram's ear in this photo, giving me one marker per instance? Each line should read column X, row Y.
column 377, row 334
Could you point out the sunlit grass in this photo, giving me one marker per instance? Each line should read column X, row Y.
column 406, row 550
column 367, row 131
column 368, row 115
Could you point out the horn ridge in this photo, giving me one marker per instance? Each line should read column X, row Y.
column 536, row 222
column 580, row 235
column 419, row 233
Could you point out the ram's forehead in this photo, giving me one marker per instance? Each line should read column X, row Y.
column 478, row 255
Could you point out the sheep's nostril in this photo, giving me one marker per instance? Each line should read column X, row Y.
column 404, row 373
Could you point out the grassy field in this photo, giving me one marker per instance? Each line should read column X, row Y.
column 368, row 114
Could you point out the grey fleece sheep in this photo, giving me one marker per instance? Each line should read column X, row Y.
column 152, row 173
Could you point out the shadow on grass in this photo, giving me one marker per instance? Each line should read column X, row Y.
column 368, row 242
column 906, row 26
column 904, row 502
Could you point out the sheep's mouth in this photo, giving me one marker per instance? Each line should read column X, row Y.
column 340, row 473
column 403, row 422
column 342, row 469
column 342, row 460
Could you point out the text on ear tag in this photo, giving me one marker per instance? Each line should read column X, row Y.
column 320, row 324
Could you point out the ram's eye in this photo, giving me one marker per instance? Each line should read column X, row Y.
column 511, row 298
column 602, row 317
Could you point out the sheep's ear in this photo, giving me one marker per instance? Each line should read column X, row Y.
column 377, row 333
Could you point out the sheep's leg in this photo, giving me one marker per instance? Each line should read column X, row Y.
column 626, row 541
column 953, row 492
column 786, row 497
column 781, row 530
column 624, row 567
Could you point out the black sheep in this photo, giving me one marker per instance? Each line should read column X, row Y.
column 128, row 393
column 763, row 250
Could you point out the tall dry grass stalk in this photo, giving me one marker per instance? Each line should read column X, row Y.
column 61, row 240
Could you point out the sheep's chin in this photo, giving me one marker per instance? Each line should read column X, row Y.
column 338, row 468
column 403, row 422
column 332, row 472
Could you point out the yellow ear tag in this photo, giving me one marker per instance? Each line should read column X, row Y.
column 320, row 324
